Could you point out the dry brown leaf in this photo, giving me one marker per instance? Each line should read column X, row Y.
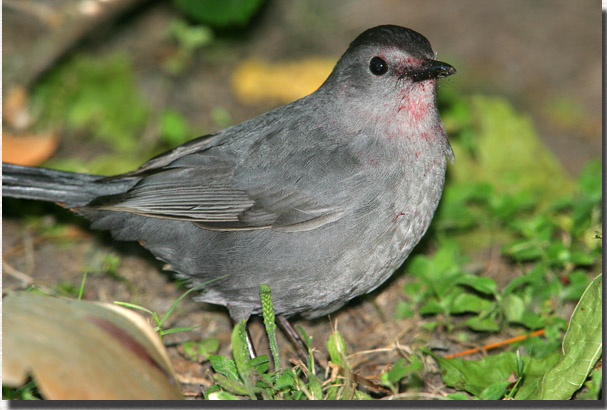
column 257, row 80
column 79, row 350
column 15, row 109
column 28, row 149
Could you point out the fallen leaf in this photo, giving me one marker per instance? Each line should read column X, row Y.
column 28, row 149
column 80, row 350
column 257, row 80
column 15, row 109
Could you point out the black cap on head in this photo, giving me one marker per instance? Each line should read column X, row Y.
column 390, row 35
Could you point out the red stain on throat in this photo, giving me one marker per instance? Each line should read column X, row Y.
column 417, row 103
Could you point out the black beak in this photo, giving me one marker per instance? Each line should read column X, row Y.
column 431, row 69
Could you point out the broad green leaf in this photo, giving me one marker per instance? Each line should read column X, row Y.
column 285, row 380
column 401, row 369
column 457, row 396
column 474, row 376
column 593, row 385
column 536, row 276
column 416, row 291
column 468, row 302
column 431, row 307
column 260, row 363
column 234, row 386
column 495, row 391
column 482, row 324
column 223, row 365
column 534, row 370
column 578, row 282
column 513, row 307
column 479, row 283
column 523, row 250
column 582, row 346
column 532, row 320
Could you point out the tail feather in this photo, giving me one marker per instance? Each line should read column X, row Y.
column 67, row 188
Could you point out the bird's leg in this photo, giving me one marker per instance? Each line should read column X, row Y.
column 295, row 337
column 252, row 352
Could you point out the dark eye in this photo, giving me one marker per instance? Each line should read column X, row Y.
column 378, row 66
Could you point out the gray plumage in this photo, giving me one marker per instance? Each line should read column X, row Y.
column 322, row 199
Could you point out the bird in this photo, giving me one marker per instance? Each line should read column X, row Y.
column 322, row 199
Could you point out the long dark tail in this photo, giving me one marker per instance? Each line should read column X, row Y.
column 66, row 188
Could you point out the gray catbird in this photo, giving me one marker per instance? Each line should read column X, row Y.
column 321, row 199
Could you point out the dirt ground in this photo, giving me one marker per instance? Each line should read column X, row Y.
column 532, row 52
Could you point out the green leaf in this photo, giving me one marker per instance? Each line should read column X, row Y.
column 535, row 277
column 458, row 396
column 183, row 295
column 220, row 13
column 360, row 395
column 430, row 326
column 416, row 291
column 474, row 376
column 336, row 345
column 92, row 94
column 467, row 302
column 401, row 369
column 513, row 307
column 173, row 128
column 82, row 287
column 431, row 307
column 482, row 324
column 479, row 283
column 223, row 365
column 200, row 351
column 523, row 250
column 534, row 370
column 307, row 340
column 260, row 363
column 523, row 164
column 578, row 282
column 495, row 391
column 314, row 386
column 226, row 383
column 241, row 356
column 590, row 179
column 582, row 346
column 532, row 320
column 189, row 36
column 582, row 259
column 286, row 380
column 403, row 310
column 164, row 332
column 593, row 385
